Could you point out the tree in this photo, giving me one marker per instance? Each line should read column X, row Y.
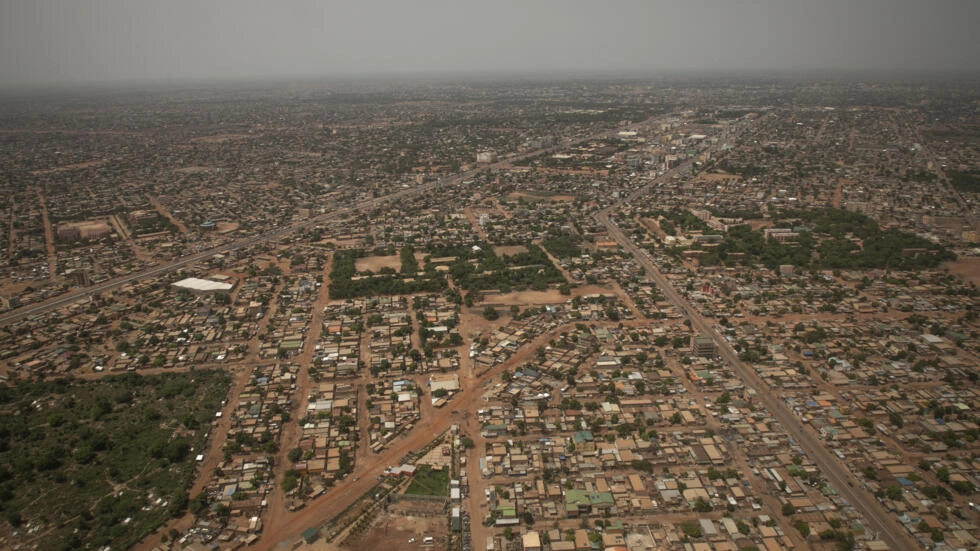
column 691, row 529
column 802, row 526
column 198, row 505
column 491, row 313
column 702, row 505
column 291, row 481
column 178, row 504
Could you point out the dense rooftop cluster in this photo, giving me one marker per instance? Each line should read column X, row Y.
column 560, row 309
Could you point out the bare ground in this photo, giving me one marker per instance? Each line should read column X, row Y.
column 227, row 227
column 509, row 250
column 965, row 268
column 541, row 197
column 759, row 224
column 393, row 532
column 718, row 177
column 375, row 263
column 220, row 138
column 653, row 227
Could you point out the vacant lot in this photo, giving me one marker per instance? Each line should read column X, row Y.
column 535, row 196
column 375, row 263
column 394, row 532
column 509, row 250
column 220, row 138
column 528, row 298
column 551, row 296
column 966, row 268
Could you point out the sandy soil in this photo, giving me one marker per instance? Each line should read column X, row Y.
column 966, row 268
column 394, row 531
column 220, row 138
column 536, row 197
column 509, row 250
column 551, row 296
column 717, row 177
column 653, row 227
column 375, row 263
column 527, row 298
column 759, row 224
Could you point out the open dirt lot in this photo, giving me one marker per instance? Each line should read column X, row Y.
column 540, row 197
column 717, row 177
column 527, row 298
column 394, row 531
column 375, row 263
column 653, row 227
column 551, row 296
column 227, row 227
column 509, row 250
column 220, row 138
column 966, row 268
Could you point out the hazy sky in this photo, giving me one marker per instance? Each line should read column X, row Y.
column 64, row 41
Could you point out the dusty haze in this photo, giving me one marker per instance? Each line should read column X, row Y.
column 70, row 41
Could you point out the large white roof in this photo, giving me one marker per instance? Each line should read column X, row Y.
column 197, row 284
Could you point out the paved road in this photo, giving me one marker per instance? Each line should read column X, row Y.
column 881, row 521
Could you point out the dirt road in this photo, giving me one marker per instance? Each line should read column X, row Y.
column 290, row 525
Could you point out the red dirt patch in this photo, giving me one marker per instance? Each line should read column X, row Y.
column 965, row 268
column 393, row 532
column 375, row 263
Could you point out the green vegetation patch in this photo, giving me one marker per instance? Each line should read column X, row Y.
column 99, row 463
column 679, row 219
column 481, row 269
column 563, row 246
column 828, row 239
column 346, row 282
column 429, row 482
column 966, row 182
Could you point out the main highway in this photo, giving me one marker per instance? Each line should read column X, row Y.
column 883, row 523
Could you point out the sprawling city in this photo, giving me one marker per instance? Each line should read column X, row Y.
column 699, row 314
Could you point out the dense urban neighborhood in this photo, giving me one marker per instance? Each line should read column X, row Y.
column 682, row 314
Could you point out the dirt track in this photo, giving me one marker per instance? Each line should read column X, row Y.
column 369, row 466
